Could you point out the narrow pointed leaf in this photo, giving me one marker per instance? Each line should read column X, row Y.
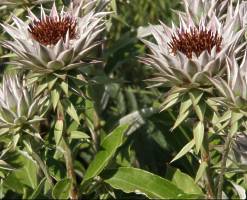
column 41, row 88
column 65, row 87
column 54, row 98
column 58, row 131
column 70, row 109
column 184, row 150
column 180, row 119
column 170, row 101
column 198, row 132
column 185, row 104
column 201, row 171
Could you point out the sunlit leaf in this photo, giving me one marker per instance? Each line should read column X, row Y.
column 184, row 150
column 61, row 189
column 107, row 150
column 198, row 132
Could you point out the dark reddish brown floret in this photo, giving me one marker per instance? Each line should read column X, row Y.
column 51, row 30
column 195, row 41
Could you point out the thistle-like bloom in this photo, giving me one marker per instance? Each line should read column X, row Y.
column 20, row 110
column 186, row 56
column 58, row 42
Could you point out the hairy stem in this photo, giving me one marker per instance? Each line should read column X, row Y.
column 205, row 155
column 223, row 164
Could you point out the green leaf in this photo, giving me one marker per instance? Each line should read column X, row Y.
column 201, row 171
column 41, row 88
column 70, row 109
column 54, row 98
column 135, row 180
column 58, row 131
column 181, row 117
column 108, row 148
column 78, row 135
column 65, row 88
column 195, row 96
column 61, row 189
column 51, row 80
column 234, row 126
column 170, row 101
column 184, row 150
column 185, row 104
column 198, row 132
column 225, row 117
column 38, row 190
column 183, row 181
column 24, row 176
column 199, row 108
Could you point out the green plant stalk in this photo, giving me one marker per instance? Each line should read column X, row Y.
column 205, row 156
column 68, row 157
column 43, row 167
column 70, row 169
column 223, row 164
column 96, row 130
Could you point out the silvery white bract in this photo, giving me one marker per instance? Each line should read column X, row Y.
column 197, row 8
column 37, row 54
column 234, row 90
column 189, row 66
column 19, row 109
column 224, row 9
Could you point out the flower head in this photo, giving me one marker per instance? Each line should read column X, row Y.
column 20, row 110
column 58, row 42
column 187, row 55
column 53, row 28
column 195, row 41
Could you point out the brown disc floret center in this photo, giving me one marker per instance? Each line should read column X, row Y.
column 195, row 41
column 51, row 29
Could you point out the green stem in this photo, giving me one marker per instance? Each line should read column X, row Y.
column 68, row 156
column 223, row 164
column 42, row 166
column 70, row 170
column 205, row 155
